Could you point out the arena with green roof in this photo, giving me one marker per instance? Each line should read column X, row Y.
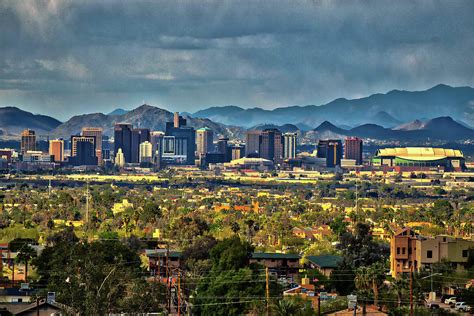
column 419, row 158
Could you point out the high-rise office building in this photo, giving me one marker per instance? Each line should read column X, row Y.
column 28, row 141
column 139, row 135
column 204, row 138
column 271, row 147
column 156, row 140
column 289, row 145
column 238, row 151
column 83, row 150
column 56, row 149
column 105, row 147
column 119, row 158
column 123, row 139
column 353, row 149
column 333, row 153
column 253, row 142
column 322, row 148
column 224, row 149
column 146, row 152
column 184, row 142
column 97, row 133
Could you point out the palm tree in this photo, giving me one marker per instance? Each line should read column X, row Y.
column 25, row 254
column 398, row 286
column 286, row 307
column 370, row 279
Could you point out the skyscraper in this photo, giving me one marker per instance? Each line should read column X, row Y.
column 322, row 148
column 224, row 149
column 184, row 142
column 97, row 133
column 119, row 158
column 353, row 149
column 56, row 149
column 204, row 138
column 146, row 152
column 333, row 153
column 139, row 135
column 271, row 147
column 28, row 141
column 123, row 139
column 83, row 150
column 253, row 142
column 289, row 145
column 156, row 140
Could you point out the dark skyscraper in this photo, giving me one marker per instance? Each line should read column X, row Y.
column 253, row 141
column 224, row 149
column 271, row 147
column 123, row 139
column 333, row 153
column 83, row 150
column 353, row 149
column 139, row 135
column 184, row 141
column 322, row 148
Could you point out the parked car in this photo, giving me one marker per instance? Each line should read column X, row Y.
column 432, row 305
column 462, row 306
column 444, row 297
column 451, row 300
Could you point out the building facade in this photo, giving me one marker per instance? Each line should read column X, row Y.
column 83, row 151
column 28, row 141
column 271, row 145
column 204, row 141
column 56, row 150
column 353, row 149
column 97, row 133
column 253, row 143
column 410, row 251
column 289, row 145
column 123, row 140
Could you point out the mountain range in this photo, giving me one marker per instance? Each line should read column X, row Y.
column 441, row 113
column 437, row 129
column 14, row 120
column 388, row 110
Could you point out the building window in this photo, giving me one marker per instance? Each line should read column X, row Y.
column 403, row 250
column 444, row 239
column 429, row 254
column 465, row 253
column 398, row 250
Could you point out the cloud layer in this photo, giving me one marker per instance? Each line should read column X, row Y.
column 68, row 57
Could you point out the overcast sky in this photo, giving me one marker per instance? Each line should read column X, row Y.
column 63, row 58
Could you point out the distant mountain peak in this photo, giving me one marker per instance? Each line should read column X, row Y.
column 118, row 111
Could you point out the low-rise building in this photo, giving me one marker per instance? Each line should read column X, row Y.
column 411, row 251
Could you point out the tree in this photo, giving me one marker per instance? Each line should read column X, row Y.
column 25, row 254
column 96, row 278
column 232, row 284
column 359, row 248
column 399, row 285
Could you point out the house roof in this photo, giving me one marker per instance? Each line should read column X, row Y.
column 153, row 253
column 325, row 261
column 274, row 255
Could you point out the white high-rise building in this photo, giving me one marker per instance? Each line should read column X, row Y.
column 289, row 145
column 146, row 152
column 120, row 158
column 204, row 138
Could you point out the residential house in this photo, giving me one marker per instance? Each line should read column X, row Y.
column 324, row 263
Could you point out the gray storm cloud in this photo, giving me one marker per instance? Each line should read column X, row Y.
column 68, row 57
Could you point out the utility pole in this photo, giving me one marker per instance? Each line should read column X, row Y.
column 319, row 304
column 179, row 293
column 411, row 290
column 87, row 202
column 168, row 285
column 267, row 290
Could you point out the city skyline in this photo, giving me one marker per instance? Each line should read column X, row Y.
column 62, row 58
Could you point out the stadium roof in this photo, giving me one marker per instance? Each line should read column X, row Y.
column 420, row 153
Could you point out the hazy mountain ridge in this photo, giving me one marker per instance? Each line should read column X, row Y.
column 440, row 128
column 145, row 116
column 389, row 109
column 13, row 120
